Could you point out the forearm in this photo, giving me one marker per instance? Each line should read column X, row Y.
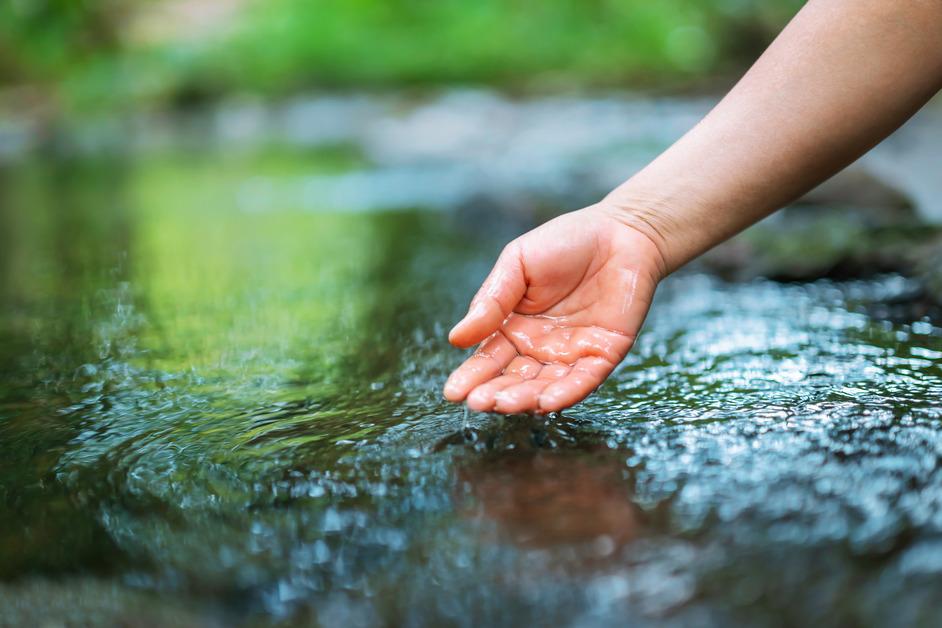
column 842, row 76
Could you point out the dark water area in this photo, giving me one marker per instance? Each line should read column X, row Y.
column 216, row 413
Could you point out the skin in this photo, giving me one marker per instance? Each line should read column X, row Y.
column 565, row 302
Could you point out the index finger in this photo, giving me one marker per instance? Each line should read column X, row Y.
column 489, row 361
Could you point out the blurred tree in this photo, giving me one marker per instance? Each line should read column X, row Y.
column 43, row 40
column 95, row 52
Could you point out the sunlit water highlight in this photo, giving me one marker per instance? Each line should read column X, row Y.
column 210, row 416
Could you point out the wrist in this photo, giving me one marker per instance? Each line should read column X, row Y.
column 653, row 216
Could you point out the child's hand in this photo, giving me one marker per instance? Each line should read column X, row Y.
column 558, row 312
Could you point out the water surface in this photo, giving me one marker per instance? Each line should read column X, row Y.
column 215, row 411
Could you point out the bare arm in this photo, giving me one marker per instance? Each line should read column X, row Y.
column 842, row 76
column 566, row 301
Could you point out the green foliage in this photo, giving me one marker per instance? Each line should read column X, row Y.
column 47, row 39
column 276, row 46
column 286, row 43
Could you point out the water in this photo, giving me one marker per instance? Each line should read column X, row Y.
column 214, row 414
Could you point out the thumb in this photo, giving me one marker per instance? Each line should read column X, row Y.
column 498, row 296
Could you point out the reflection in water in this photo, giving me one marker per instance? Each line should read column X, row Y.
column 543, row 489
column 213, row 415
column 59, row 255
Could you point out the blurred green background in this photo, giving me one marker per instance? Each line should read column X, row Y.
column 89, row 54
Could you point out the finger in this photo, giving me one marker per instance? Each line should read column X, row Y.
column 519, row 370
column 499, row 295
column 611, row 346
column 487, row 362
column 524, row 366
column 585, row 377
column 481, row 399
column 525, row 395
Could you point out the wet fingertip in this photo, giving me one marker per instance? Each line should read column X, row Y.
column 507, row 399
column 458, row 337
column 480, row 401
column 454, row 388
column 550, row 402
column 451, row 394
column 462, row 334
column 452, row 335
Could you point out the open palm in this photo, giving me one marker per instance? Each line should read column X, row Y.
column 559, row 311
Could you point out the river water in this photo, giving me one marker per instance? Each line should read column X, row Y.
column 215, row 414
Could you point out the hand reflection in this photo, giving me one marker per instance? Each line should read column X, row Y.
column 546, row 498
